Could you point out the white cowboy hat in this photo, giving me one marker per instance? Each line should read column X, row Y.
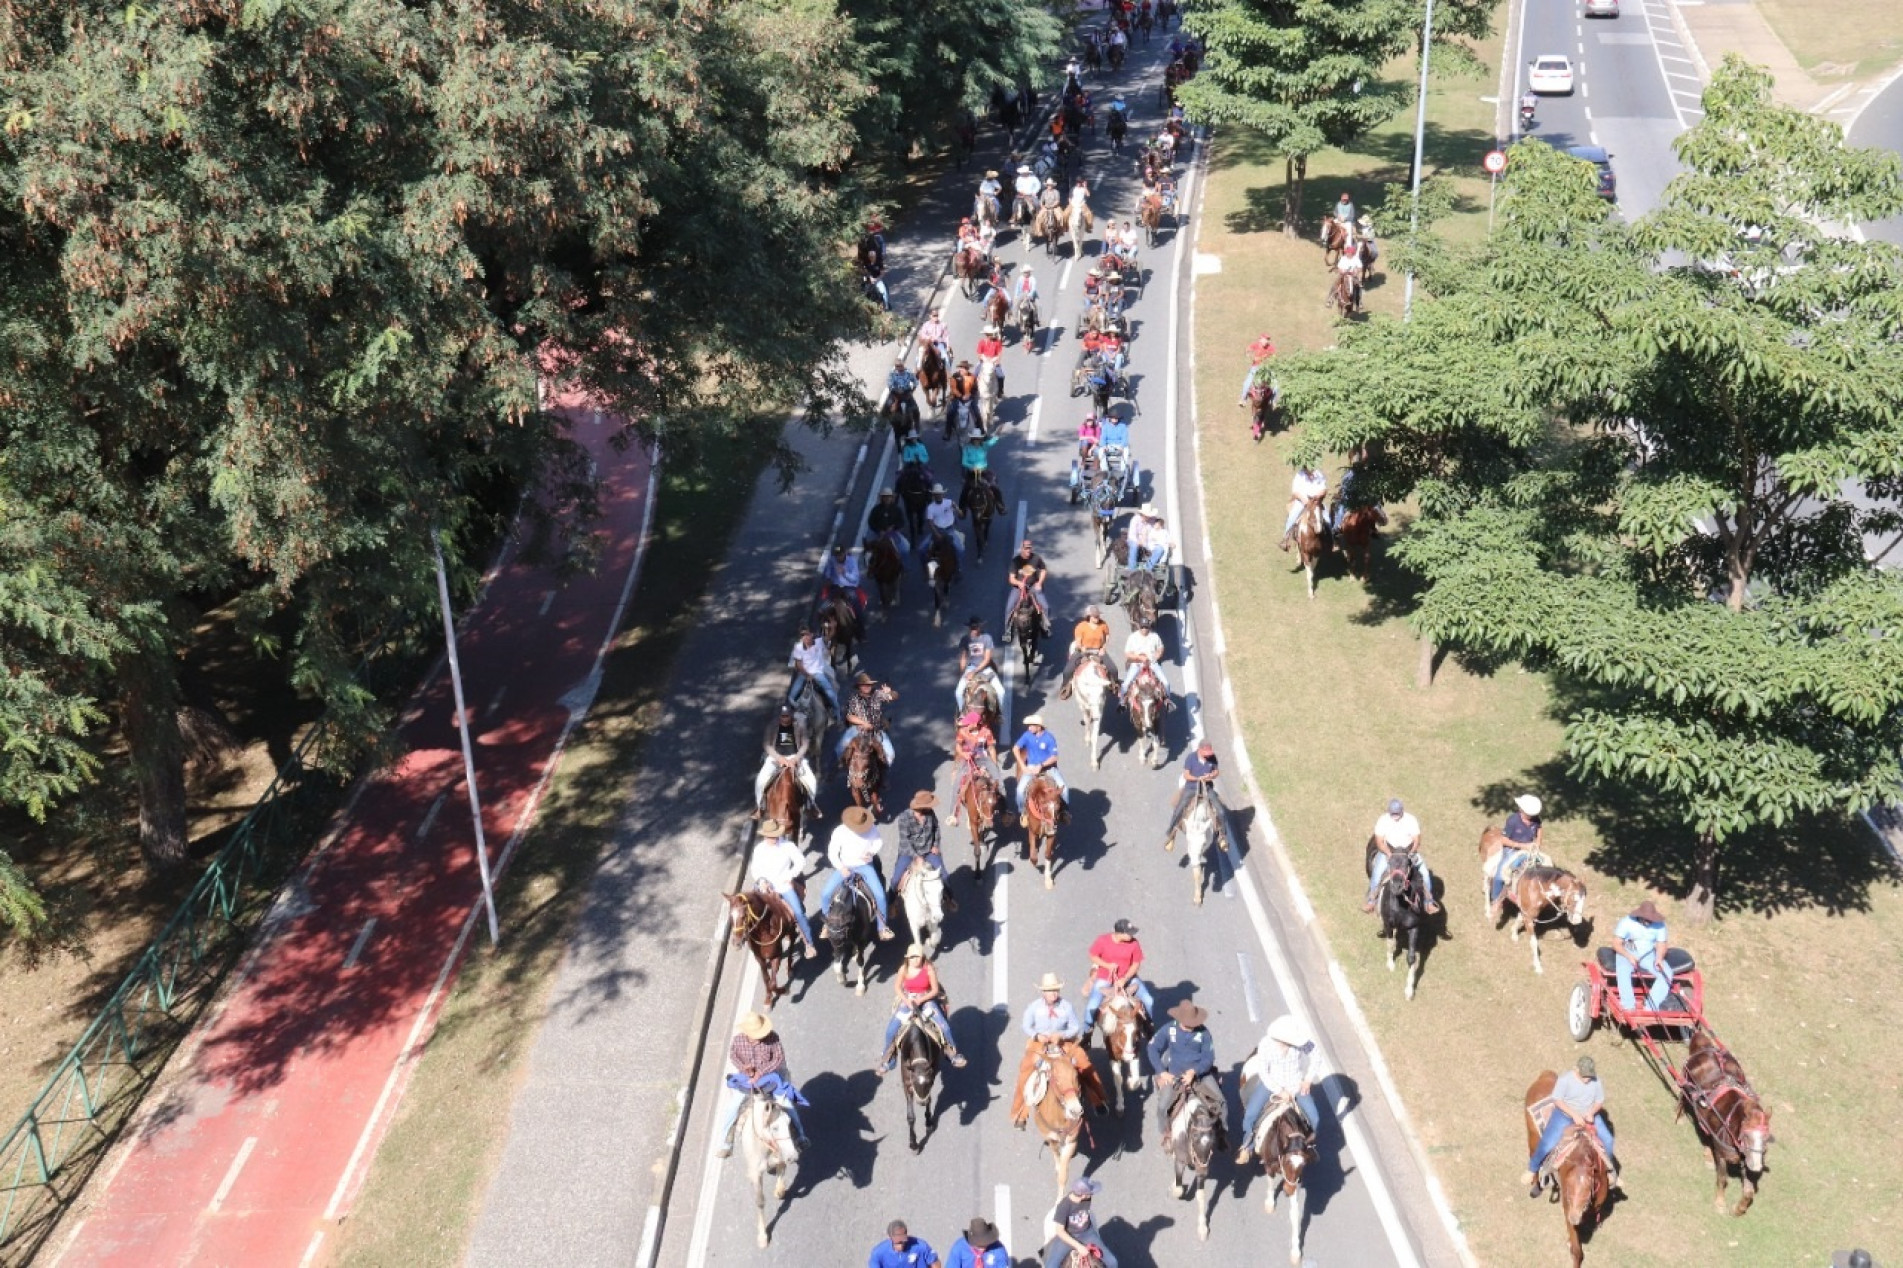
column 1024, row 169
column 1366, row 222
column 1285, row 1029
column 771, row 828
column 938, row 488
column 1036, row 719
column 991, row 174
column 1148, row 511
column 1050, row 982
column 1529, row 805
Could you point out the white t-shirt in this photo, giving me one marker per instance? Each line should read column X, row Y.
column 1396, row 833
column 1141, row 646
column 942, row 513
column 1029, row 185
column 1348, row 263
column 811, row 659
column 847, row 848
column 778, row 863
column 1306, row 486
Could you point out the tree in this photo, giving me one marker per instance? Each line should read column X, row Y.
column 1637, row 452
column 278, row 280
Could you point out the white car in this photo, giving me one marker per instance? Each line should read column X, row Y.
column 1551, row 75
column 1601, row 8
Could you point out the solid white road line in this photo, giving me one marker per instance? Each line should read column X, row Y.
column 1001, row 1207
column 310, row 1251
column 1037, row 408
column 356, row 948
column 231, row 1176
column 429, row 818
column 1001, row 942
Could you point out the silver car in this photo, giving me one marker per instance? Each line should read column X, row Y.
column 1601, row 8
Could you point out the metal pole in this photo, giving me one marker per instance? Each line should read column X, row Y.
column 1420, row 144
column 1493, row 182
column 462, row 726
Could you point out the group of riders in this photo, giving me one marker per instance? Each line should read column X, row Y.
column 1349, row 236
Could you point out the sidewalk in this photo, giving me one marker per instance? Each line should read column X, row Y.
column 267, row 1120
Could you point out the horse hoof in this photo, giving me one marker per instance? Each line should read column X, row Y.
column 1176, row 1190
column 763, row 1240
column 861, row 988
column 1049, row 883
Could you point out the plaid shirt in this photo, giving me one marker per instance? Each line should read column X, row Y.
column 757, row 1058
column 1282, row 1069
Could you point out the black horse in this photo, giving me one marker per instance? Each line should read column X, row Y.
column 1025, row 629
column 919, row 1056
column 1402, row 901
column 915, row 492
column 852, row 925
column 983, row 501
column 941, row 569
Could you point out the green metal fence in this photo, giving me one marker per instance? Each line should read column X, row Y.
column 63, row 1136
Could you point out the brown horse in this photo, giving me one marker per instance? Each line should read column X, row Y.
column 1345, row 295
column 1042, row 806
column 1580, row 1183
column 1126, row 1028
column 1046, row 227
column 997, row 308
column 1534, row 892
column 1148, row 701
column 1336, row 238
column 1287, row 1150
column 785, row 800
column 1729, row 1114
column 1150, row 214
column 839, row 625
column 762, row 923
column 1311, row 538
column 1356, row 539
column 978, row 797
column 886, row 567
column 934, row 376
column 971, row 269
column 865, row 771
column 1058, row 1110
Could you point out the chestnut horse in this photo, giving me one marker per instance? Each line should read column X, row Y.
column 1148, row 700
column 886, row 567
column 1729, row 1114
column 1336, row 238
column 1535, row 891
column 1287, row 1149
column 934, row 376
column 997, row 308
column 1058, row 1111
column 762, row 923
column 785, row 800
column 978, row 798
column 1356, row 539
column 1126, row 1028
column 1042, row 805
column 1580, row 1184
column 1311, row 538
column 864, row 760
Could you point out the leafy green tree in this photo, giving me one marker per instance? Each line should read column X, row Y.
column 1638, row 453
column 279, row 280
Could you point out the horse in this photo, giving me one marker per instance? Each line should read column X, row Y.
column 922, row 891
column 1077, row 222
column 990, row 389
column 1287, row 1150
column 914, row 487
column 1193, row 1136
column 1150, row 214
column 1535, row 890
column 997, row 307
column 785, row 800
column 762, row 923
column 1312, row 542
column 971, row 269
column 1058, row 1108
column 1148, row 699
column 766, row 1142
column 978, row 797
column 1126, row 1029
column 941, row 570
column 1046, row 227
column 1027, row 321
column 933, row 375
column 984, row 212
column 1345, row 295
column 1729, row 1115
column 1140, row 598
column 864, row 763
column 1199, row 830
column 1401, row 902
column 839, row 625
column 919, row 1055
column 851, row 926
column 1356, row 538
column 1025, row 628
column 983, row 695
column 983, row 501
column 1092, row 685
column 1042, row 805
column 1580, row 1183
column 886, row 567
column 1336, row 237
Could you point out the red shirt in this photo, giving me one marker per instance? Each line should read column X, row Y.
column 991, row 346
column 1121, row 956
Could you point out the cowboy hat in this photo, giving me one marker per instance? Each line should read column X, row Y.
column 771, row 828
column 1148, row 511
column 1036, row 719
column 862, row 676
column 938, row 488
column 981, row 1232
column 916, row 951
column 1529, row 805
column 1188, row 1015
column 923, row 799
column 756, row 1025
column 858, row 818
column 1285, row 1029
column 1647, row 912
column 1024, row 169
column 1050, row 982
column 1366, row 222
column 991, row 174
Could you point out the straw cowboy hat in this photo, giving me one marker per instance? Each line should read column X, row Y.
column 1050, row 982
column 923, row 800
column 771, row 828
column 756, row 1025
column 1529, row 805
column 1188, row 1015
column 1036, row 719
column 858, row 818
column 1285, row 1029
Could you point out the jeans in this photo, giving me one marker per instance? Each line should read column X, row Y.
column 957, row 540
column 1495, row 883
column 1152, row 558
column 799, row 911
column 935, row 1011
column 1258, row 1102
column 1100, row 988
column 871, row 878
column 1556, row 1127
column 1166, row 1098
column 885, row 743
column 1059, row 1250
column 1661, row 982
column 823, row 682
column 1024, row 786
column 1011, row 604
column 737, row 1100
column 1130, row 674
column 1381, row 870
column 1294, row 513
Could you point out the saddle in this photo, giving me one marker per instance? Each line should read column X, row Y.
column 1285, row 1107
column 1183, row 1108
column 1507, row 875
column 921, row 1021
column 1576, row 1137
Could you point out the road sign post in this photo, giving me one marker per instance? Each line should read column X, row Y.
column 1495, row 163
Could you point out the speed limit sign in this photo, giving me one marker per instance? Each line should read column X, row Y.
column 1495, row 162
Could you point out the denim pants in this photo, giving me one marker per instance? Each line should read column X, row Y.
column 1661, row 982
column 1100, row 988
column 1059, row 1250
column 1556, row 1127
column 1381, row 870
column 851, row 732
column 866, row 874
column 799, row 910
column 737, row 1100
column 1259, row 1101
column 1024, row 786
column 935, row 1011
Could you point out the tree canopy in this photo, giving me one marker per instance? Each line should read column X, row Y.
column 1646, row 456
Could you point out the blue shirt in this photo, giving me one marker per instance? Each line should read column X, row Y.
column 963, row 1256
column 1117, row 433
column 1643, row 937
column 1519, row 829
column 1039, row 747
column 1174, row 1050
column 917, row 1254
column 1199, row 767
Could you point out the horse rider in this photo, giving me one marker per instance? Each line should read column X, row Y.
column 991, row 349
column 1280, row 1066
column 1025, row 189
column 1142, row 648
column 971, row 237
column 1128, row 241
column 1025, row 290
column 1642, row 943
column 919, row 843
column 843, row 579
column 916, row 989
column 1089, row 637
column 961, row 391
column 786, row 741
column 1077, row 1228
column 1118, row 40
column 1036, row 754
column 942, row 516
column 901, row 383
column 1080, row 195
column 1089, row 435
column 1261, row 350
column 1051, row 1019
column 1344, row 213
column 759, row 1062
column 1578, row 1099
column 851, row 849
column 778, row 862
column 1116, row 435
column 1026, row 573
column 913, row 452
column 1200, row 769
column 1052, row 198
column 978, row 1248
column 933, row 334
column 974, row 452
column 1115, row 960
column 1183, row 1056
column 977, row 662
column 1398, row 830
column 1307, row 485
column 1365, row 245
column 1149, row 539
column 812, row 660
column 887, row 520
column 1524, row 829
column 865, row 711
column 872, row 280
column 1348, row 266
column 975, row 749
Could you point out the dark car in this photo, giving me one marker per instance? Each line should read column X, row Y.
column 1597, row 156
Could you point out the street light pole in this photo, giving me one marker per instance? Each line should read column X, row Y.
column 462, row 727
column 1420, row 145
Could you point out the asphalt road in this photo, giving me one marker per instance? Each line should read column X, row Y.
column 1009, row 930
column 1880, row 125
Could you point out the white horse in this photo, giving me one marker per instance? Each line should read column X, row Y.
column 990, row 389
column 1091, row 686
column 922, row 890
column 1199, row 831
column 766, row 1137
column 1077, row 222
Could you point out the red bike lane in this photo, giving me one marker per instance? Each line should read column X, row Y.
column 288, row 1088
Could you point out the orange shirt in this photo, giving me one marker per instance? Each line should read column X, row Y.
column 1091, row 636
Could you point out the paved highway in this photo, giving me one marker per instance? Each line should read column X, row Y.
column 1009, row 930
column 1880, row 124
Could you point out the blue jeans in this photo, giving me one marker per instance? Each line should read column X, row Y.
column 1152, row 558
column 1130, row 675
column 1508, row 858
column 1259, row 1101
column 823, row 683
column 1556, row 1127
column 1661, row 982
column 866, row 874
column 799, row 911
column 1059, row 1250
column 1024, row 786
column 1293, row 515
column 935, row 1011
column 737, row 1100
column 1381, row 870
column 851, row 732
column 957, row 541
column 1099, row 988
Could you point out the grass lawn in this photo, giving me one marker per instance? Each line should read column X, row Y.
column 1838, row 39
column 1803, row 977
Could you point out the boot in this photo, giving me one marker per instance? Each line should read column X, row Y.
column 1284, row 543
column 1063, row 690
column 726, row 1143
column 1243, row 1155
